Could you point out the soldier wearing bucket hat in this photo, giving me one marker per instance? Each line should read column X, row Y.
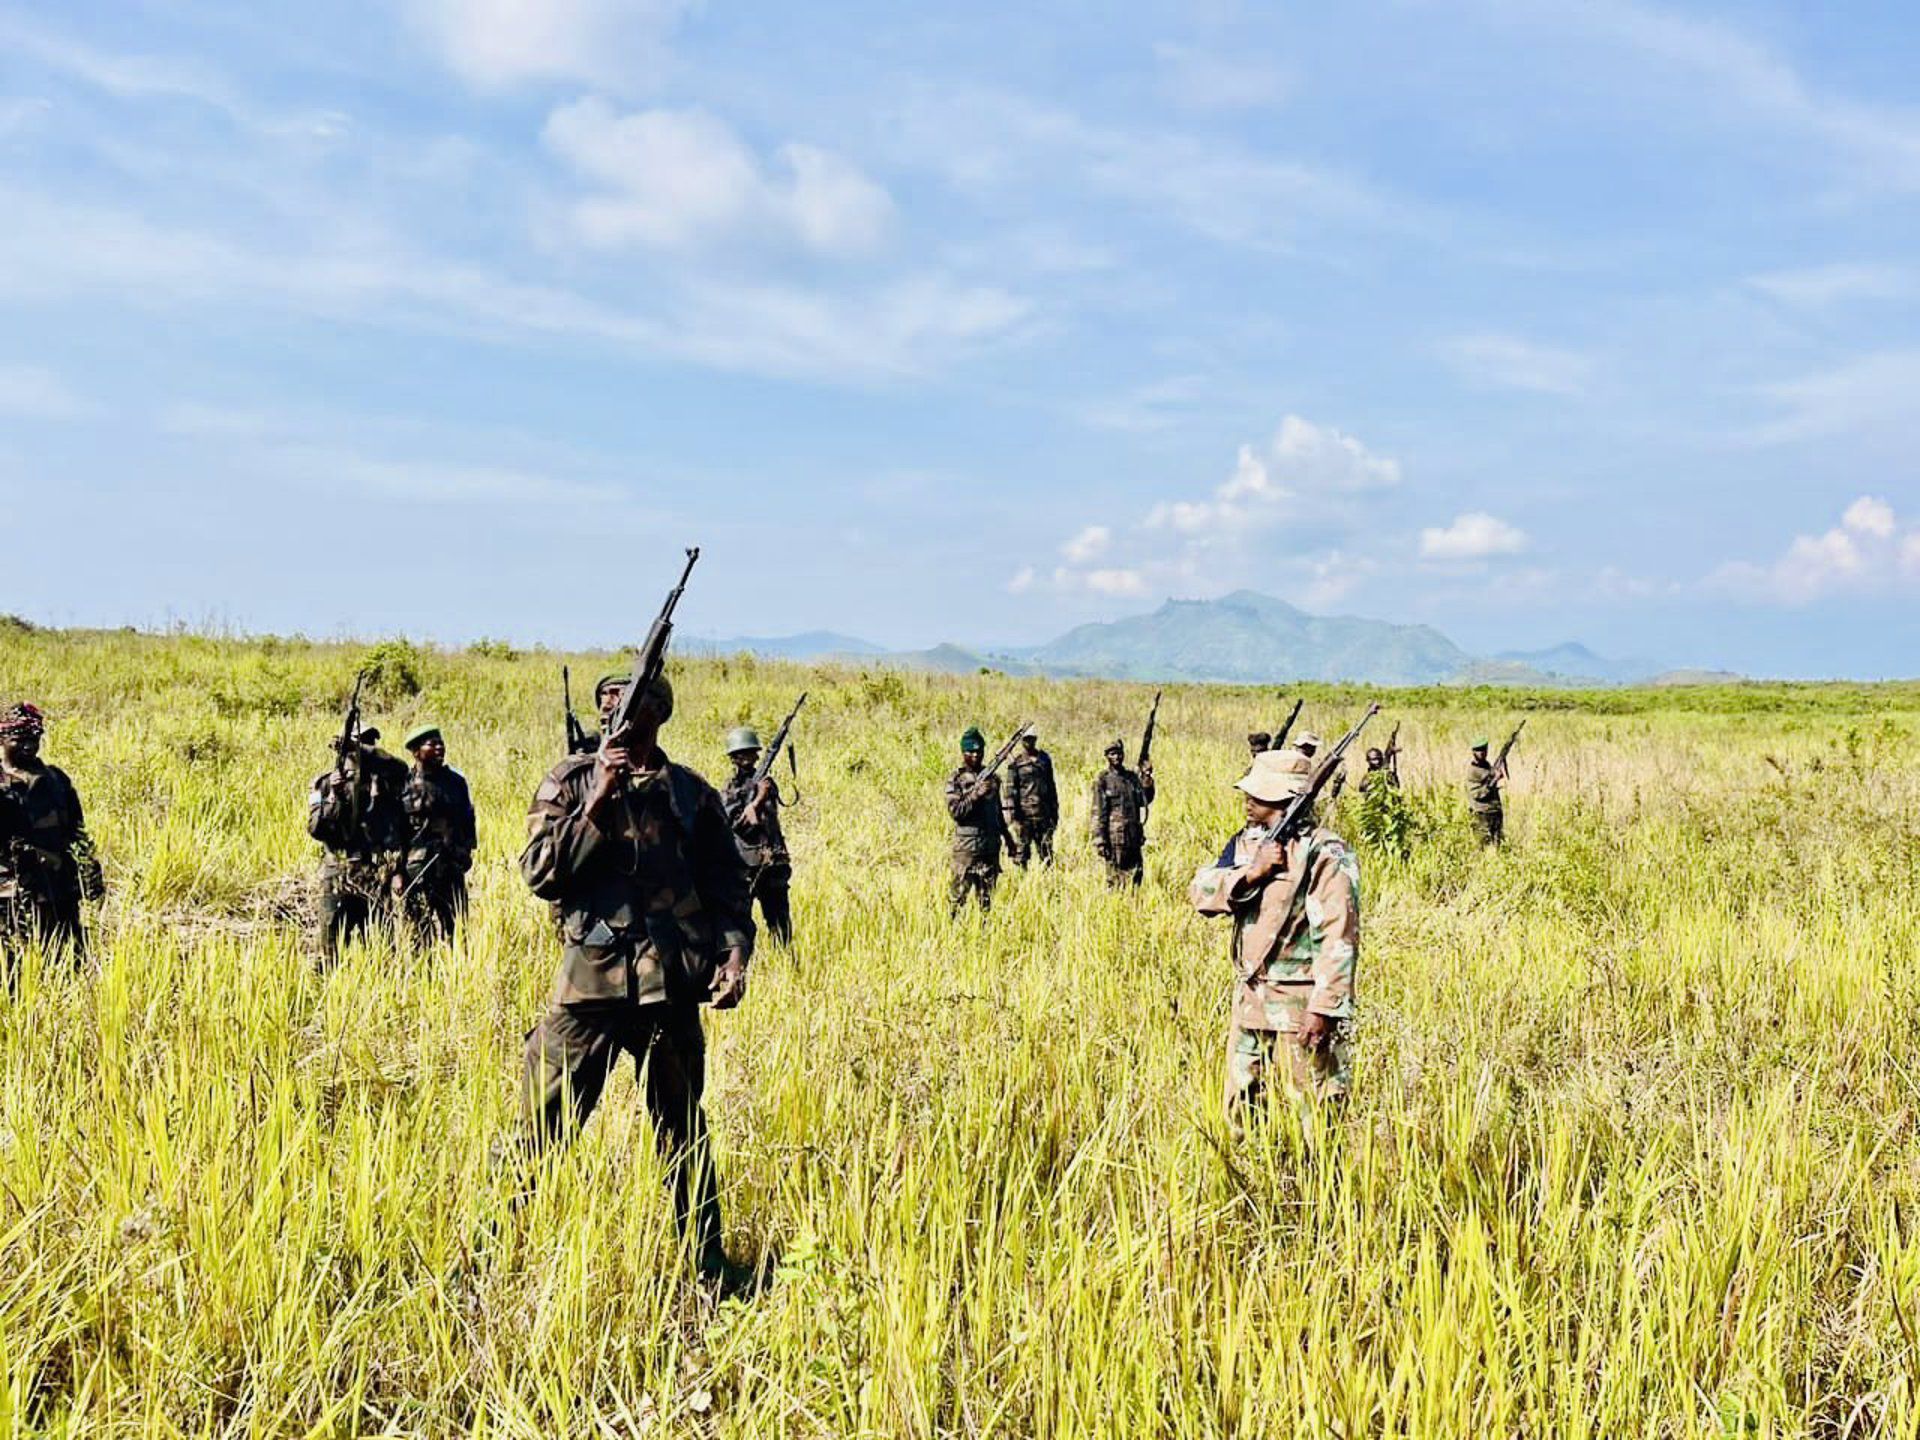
column 47, row 861
column 1295, row 904
column 973, row 800
column 1118, row 816
column 762, row 844
column 441, row 838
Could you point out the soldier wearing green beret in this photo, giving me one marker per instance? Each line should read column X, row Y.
column 754, row 811
column 973, row 800
column 432, row 878
column 1483, row 794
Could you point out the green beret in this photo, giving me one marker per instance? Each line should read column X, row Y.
column 973, row 740
column 1481, row 743
column 420, row 734
column 612, row 680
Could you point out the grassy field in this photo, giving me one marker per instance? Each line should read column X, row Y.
column 1632, row 1149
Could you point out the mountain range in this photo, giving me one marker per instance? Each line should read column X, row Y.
column 1244, row 638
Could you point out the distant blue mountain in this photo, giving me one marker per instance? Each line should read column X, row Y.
column 1575, row 661
column 812, row 645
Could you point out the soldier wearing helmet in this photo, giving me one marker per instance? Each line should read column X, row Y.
column 754, row 812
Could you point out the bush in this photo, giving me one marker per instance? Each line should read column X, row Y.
column 393, row 670
column 490, row 649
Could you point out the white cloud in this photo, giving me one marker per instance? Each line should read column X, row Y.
column 30, row 393
column 1022, row 580
column 1475, row 535
column 678, row 179
column 1818, row 287
column 1508, row 362
column 498, row 44
column 1869, row 549
column 1089, row 545
column 1113, row 581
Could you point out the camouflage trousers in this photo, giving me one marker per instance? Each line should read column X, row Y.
column 1027, row 839
column 1262, row 1060
column 1126, row 865
column 354, row 894
column 1491, row 825
column 770, row 888
column 569, row 1056
column 435, row 901
column 975, row 873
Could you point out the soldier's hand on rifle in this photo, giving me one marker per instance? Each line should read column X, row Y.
column 1315, row 1032
column 1269, row 860
column 729, row 986
column 610, row 772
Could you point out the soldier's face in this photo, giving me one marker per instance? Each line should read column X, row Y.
column 745, row 759
column 609, row 699
column 1114, row 757
column 973, row 759
column 431, row 754
column 1259, row 812
column 20, row 749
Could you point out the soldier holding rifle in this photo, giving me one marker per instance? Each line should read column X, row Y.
column 1485, row 779
column 47, row 861
column 753, row 801
column 1118, row 813
column 973, row 800
column 356, row 811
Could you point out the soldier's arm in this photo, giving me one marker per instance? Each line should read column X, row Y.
column 467, row 832
column 721, row 877
column 561, row 840
column 324, row 817
column 1146, row 784
column 959, row 796
column 1333, row 910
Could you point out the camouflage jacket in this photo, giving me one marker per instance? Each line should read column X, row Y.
column 977, row 823
column 43, row 836
column 440, row 821
column 1382, row 775
column 1483, row 788
column 763, row 842
column 646, row 912
column 1118, row 814
column 1030, row 796
column 1296, row 935
column 366, row 819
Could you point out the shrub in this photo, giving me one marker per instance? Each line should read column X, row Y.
column 393, row 669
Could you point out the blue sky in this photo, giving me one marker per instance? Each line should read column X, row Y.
column 1529, row 319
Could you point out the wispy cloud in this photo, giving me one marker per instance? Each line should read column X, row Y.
column 620, row 45
column 1872, row 548
column 1473, row 536
column 1508, row 362
column 1817, row 287
column 1859, row 396
column 28, row 392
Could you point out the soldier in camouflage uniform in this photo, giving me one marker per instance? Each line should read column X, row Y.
column 1030, row 804
column 1295, row 906
column 761, row 841
column 1378, row 772
column 1258, row 741
column 441, row 838
column 1483, row 795
column 356, row 811
column 973, row 800
column 47, row 860
column 655, row 921
column 1118, row 816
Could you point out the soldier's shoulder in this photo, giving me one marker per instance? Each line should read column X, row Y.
column 563, row 776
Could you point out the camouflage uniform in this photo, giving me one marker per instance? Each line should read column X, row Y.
column 763, row 850
column 47, row 862
column 1296, row 936
column 1483, row 799
column 440, row 844
column 364, row 828
column 1118, row 816
column 647, row 913
column 977, row 828
column 1380, row 774
column 1030, row 806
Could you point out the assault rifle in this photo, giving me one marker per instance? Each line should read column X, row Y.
column 1393, row 753
column 987, row 771
column 649, row 663
column 1301, row 804
column 347, row 772
column 1146, row 740
column 578, row 741
column 1500, row 760
column 1279, row 741
column 750, row 815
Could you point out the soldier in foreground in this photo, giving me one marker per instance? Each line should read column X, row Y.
column 1118, row 815
column 753, row 810
column 1295, row 902
column 655, row 918
column 355, row 810
column 1030, row 805
column 47, row 860
column 973, row 800
column 1483, row 795
column 441, row 838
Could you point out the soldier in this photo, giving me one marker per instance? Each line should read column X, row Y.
column 1030, row 804
column 973, row 800
column 356, row 811
column 47, row 860
column 1295, row 942
column 655, row 920
column 1258, row 741
column 440, row 838
column 1119, row 816
column 1378, row 771
column 1483, row 795
column 754, row 814
column 1308, row 744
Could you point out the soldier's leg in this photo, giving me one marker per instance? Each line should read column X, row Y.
column 343, row 914
column 676, row 1079
column 1043, row 842
column 959, row 883
column 1250, row 1055
column 775, row 905
column 986, row 875
column 565, row 1065
column 1319, row 1074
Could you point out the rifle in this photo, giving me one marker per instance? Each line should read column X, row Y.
column 649, row 662
column 1500, row 760
column 348, row 744
column 1302, row 803
column 1393, row 753
column 987, row 772
column 1146, row 740
column 578, row 741
column 750, row 815
column 1279, row 741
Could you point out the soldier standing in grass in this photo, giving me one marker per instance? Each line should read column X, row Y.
column 1031, row 804
column 1119, row 816
column 762, row 844
column 1483, row 795
column 47, row 860
column 441, row 838
column 355, row 810
column 655, row 920
column 1378, row 772
column 973, row 800
column 1295, row 904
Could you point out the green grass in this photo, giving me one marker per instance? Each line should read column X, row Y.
column 1632, row 1149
